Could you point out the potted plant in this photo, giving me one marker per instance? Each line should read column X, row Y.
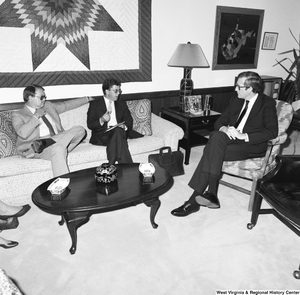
column 290, row 90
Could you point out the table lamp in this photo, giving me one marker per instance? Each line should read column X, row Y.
column 187, row 56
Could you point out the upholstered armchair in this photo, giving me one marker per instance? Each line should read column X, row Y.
column 256, row 168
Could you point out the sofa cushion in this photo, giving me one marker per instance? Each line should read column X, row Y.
column 86, row 152
column 8, row 136
column 17, row 165
column 141, row 113
column 145, row 144
column 83, row 153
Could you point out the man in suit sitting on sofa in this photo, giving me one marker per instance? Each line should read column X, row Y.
column 106, row 112
column 242, row 132
column 39, row 129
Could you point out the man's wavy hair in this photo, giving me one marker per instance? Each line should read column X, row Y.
column 110, row 82
column 30, row 91
column 252, row 80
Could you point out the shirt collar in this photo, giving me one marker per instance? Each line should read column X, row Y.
column 107, row 100
column 32, row 110
column 252, row 100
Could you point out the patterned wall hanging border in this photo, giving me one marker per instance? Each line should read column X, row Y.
column 142, row 73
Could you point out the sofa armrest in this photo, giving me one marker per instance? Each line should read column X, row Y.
column 170, row 132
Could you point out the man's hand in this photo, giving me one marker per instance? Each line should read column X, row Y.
column 233, row 133
column 40, row 112
column 123, row 126
column 106, row 117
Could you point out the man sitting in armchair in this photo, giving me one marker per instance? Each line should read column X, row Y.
column 242, row 132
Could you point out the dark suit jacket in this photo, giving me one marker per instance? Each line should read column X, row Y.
column 97, row 109
column 262, row 123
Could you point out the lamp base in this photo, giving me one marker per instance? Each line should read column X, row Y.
column 184, row 104
column 186, row 89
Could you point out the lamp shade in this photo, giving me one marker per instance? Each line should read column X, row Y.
column 188, row 56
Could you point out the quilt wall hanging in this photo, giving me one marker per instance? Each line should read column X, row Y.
column 64, row 42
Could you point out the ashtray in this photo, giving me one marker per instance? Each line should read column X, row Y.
column 107, row 188
column 58, row 186
column 59, row 197
column 106, row 173
column 147, row 172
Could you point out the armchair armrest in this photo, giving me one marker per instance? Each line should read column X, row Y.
column 170, row 132
column 280, row 139
column 273, row 150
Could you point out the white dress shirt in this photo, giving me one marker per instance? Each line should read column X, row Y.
column 250, row 105
column 111, row 108
column 44, row 130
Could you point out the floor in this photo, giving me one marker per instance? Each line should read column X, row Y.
column 120, row 253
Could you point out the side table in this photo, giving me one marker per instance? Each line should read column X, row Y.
column 190, row 124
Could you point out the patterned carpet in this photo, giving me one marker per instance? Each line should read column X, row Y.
column 120, row 253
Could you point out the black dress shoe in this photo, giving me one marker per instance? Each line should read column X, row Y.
column 11, row 244
column 186, row 209
column 208, row 200
column 40, row 144
column 22, row 212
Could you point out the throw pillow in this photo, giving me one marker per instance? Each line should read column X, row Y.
column 141, row 113
column 8, row 136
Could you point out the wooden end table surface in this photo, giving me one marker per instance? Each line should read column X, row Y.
column 84, row 198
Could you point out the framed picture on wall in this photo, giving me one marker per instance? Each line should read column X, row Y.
column 237, row 38
column 269, row 41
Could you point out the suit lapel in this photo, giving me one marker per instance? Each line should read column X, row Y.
column 27, row 111
column 118, row 111
column 237, row 109
column 102, row 104
column 256, row 107
column 54, row 116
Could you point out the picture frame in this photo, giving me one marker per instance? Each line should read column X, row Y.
column 269, row 41
column 237, row 38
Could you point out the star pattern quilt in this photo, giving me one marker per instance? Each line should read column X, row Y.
column 62, row 42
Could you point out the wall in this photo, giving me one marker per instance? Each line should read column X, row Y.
column 175, row 22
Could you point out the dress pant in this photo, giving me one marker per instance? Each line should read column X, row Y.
column 220, row 148
column 57, row 153
column 116, row 146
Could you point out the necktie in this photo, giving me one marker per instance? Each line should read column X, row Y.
column 109, row 108
column 48, row 124
column 241, row 115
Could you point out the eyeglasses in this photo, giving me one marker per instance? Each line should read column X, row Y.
column 42, row 97
column 239, row 86
column 116, row 91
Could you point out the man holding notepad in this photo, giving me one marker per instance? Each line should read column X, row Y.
column 111, row 123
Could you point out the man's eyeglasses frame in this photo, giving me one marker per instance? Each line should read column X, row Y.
column 239, row 86
column 41, row 97
column 116, row 91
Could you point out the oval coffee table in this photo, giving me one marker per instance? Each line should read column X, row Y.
column 85, row 199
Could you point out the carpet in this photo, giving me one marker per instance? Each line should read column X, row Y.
column 120, row 253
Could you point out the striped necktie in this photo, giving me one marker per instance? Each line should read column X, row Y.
column 237, row 123
column 48, row 124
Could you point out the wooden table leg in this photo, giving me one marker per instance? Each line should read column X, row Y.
column 154, row 204
column 74, row 220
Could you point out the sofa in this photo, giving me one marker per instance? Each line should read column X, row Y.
column 20, row 176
